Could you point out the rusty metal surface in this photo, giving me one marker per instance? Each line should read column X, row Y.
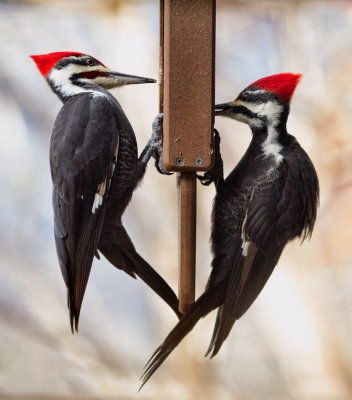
column 187, row 68
column 187, row 201
column 161, row 56
column 189, row 28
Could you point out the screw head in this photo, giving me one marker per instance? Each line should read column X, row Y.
column 180, row 161
column 199, row 161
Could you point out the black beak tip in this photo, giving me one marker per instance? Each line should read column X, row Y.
column 149, row 80
column 219, row 109
column 221, row 106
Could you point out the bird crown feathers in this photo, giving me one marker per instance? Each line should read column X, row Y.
column 283, row 85
column 45, row 62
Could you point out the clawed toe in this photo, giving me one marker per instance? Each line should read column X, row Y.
column 159, row 164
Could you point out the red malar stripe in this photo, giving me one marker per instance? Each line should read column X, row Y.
column 93, row 74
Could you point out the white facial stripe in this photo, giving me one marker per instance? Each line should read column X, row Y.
column 247, row 120
column 257, row 91
column 271, row 146
column 271, row 110
column 61, row 78
column 253, row 107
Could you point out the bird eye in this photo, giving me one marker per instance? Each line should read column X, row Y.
column 90, row 61
column 245, row 95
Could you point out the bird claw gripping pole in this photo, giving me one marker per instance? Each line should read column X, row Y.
column 216, row 174
column 153, row 149
column 157, row 128
column 187, row 45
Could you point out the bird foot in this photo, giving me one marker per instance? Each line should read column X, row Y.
column 216, row 174
column 208, row 178
column 157, row 130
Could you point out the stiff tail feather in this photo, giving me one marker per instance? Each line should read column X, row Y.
column 207, row 302
column 228, row 312
column 83, row 259
column 153, row 280
column 117, row 247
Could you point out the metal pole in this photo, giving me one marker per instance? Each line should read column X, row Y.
column 188, row 99
column 161, row 57
column 187, row 216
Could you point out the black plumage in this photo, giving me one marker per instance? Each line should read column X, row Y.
column 270, row 198
column 94, row 168
column 101, row 147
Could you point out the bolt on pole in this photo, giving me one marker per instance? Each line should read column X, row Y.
column 187, row 64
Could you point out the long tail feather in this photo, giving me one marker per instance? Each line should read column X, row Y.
column 83, row 259
column 154, row 281
column 228, row 314
column 209, row 300
column 117, row 247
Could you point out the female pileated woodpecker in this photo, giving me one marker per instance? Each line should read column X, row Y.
column 270, row 198
column 94, row 168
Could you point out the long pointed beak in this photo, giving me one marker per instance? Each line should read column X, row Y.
column 236, row 106
column 221, row 109
column 124, row 79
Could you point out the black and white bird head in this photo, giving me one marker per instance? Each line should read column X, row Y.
column 264, row 103
column 71, row 73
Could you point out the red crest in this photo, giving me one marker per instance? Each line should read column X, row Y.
column 283, row 85
column 45, row 62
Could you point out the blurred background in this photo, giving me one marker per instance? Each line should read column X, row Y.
column 295, row 342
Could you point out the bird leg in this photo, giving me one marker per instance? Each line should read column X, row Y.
column 153, row 149
column 216, row 174
column 157, row 128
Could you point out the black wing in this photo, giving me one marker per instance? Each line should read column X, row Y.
column 275, row 214
column 82, row 157
column 251, row 226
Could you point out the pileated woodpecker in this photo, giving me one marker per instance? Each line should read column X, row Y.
column 94, row 168
column 270, row 198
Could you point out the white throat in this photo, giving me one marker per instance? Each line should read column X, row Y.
column 272, row 111
column 271, row 146
column 60, row 79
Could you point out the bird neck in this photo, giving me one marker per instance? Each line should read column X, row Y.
column 67, row 87
column 270, row 138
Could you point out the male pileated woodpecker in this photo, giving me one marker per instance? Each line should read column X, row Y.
column 270, row 198
column 94, row 168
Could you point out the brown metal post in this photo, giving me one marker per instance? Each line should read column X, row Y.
column 161, row 56
column 188, row 98
column 187, row 213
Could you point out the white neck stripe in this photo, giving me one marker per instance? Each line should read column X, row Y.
column 60, row 79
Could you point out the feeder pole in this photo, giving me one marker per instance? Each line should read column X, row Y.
column 187, row 96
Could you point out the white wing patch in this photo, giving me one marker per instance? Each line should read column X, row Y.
column 102, row 187
column 98, row 201
column 245, row 240
column 99, row 195
column 244, row 247
column 115, row 160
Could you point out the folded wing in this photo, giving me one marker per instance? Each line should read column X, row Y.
column 83, row 154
